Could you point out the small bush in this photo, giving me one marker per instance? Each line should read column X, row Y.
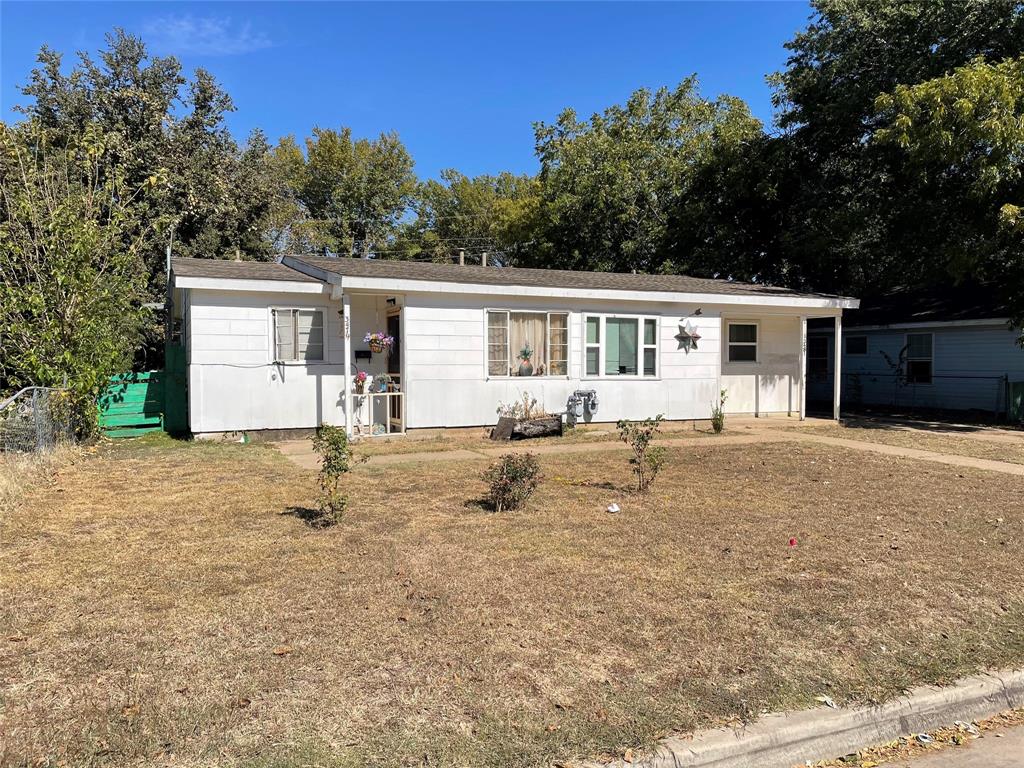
column 511, row 480
column 523, row 409
column 718, row 413
column 646, row 461
column 331, row 444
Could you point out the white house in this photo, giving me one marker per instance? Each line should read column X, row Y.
column 275, row 346
column 947, row 348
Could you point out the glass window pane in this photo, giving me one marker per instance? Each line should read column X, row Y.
column 593, row 330
column 497, row 344
column 817, row 346
column 284, row 334
column 649, row 360
column 919, row 371
column 311, row 334
column 742, row 353
column 856, row 345
column 593, row 356
column 743, row 333
column 650, row 331
column 621, row 343
column 919, row 345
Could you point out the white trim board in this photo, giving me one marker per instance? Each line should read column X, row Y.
column 404, row 285
column 251, row 286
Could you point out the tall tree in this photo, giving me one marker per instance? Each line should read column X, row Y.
column 484, row 214
column 216, row 200
column 72, row 277
column 345, row 196
column 858, row 219
column 612, row 184
column 962, row 136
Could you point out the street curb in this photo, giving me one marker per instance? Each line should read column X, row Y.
column 788, row 739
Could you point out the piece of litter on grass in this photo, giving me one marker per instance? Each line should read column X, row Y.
column 924, row 738
column 282, row 650
column 826, row 700
column 613, row 508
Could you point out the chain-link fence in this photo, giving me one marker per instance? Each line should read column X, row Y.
column 35, row 419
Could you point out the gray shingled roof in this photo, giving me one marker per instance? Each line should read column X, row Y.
column 547, row 278
column 237, row 270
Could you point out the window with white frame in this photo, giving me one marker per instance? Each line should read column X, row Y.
column 620, row 346
column 817, row 355
column 527, row 343
column 919, row 358
column 298, row 334
column 742, row 342
column 856, row 345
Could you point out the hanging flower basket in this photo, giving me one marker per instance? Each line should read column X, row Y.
column 379, row 342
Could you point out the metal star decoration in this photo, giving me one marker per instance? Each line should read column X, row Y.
column 687, row 336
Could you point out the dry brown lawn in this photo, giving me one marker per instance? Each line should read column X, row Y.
column 161, row 603
column 953, row 444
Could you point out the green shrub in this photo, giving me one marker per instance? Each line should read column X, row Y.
column 331, row 444
column 511, row 480
column 646, row 461
column 718, row 413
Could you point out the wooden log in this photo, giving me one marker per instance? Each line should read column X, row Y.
column 544, row 426
column 503, row 431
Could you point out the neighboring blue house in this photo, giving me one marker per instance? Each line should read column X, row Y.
column 947, row 349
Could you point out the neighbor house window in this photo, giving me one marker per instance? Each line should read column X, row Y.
column 919, row 358
column 856, row 345
column 742, row 342
column 621, row 346
column 527, row 343
column 817, row 355
column 298, row 334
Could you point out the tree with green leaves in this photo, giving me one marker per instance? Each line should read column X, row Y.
column 855, row 215
column 962, row 137
column 496, row 215
column 217, row 198
column 343, row 196
column 72, row 275
column 611, row 185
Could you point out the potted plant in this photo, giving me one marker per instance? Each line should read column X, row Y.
column 526, row 367
column 379, row 341
column 360, row 382
column 383, row 381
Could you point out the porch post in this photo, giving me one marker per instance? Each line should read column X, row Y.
column 346, row 320
column 837, row 382
column 803, row 367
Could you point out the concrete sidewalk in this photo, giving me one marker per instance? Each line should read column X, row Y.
column 301, row 451
column 1002, row 750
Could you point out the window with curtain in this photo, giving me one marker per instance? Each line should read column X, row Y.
column 299, row 334
column 620, row 346
column 527, row 343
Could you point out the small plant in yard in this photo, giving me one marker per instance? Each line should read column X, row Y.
column 718, row 413
column 647, row 460
column 523, row 409
column 331, row 444
column 511, row 480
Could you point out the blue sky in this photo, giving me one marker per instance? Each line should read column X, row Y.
column 462, row 83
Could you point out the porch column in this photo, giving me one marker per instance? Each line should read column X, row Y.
column 837, row 377
column 346, row 311
column 803, row 367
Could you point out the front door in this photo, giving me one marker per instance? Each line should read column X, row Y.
column 396, row 403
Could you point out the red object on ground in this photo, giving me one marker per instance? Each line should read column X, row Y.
column 792, row 542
